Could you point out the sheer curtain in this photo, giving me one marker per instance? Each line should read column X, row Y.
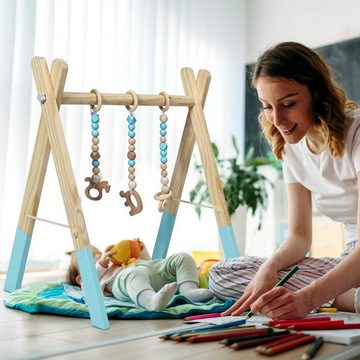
column 114, row 46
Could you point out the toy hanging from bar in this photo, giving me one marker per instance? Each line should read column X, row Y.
column 165, row 192
column 95, row 182
column 132, row 193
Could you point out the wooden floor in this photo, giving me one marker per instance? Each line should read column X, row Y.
column 26, row 336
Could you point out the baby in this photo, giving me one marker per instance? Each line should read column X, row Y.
column 148, row 283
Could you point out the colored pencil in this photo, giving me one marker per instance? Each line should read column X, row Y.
column 312, row 351
column 202, row 316
column 320, row 326
column 206, row 328
column 255, row 342
column 300, row 320
column 290, row 325
column 239, row 332
column 327, row 309
column 217, row 337
column 280, row 283
column 290, row 337
column 182, row 337
column 272, row 350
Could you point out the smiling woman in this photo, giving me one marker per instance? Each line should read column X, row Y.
column 315, row 131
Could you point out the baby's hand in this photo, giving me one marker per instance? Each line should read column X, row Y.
column 105, row 256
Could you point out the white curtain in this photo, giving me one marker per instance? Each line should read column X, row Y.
column 114, row 46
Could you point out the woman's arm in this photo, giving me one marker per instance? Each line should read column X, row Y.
column 299, row 238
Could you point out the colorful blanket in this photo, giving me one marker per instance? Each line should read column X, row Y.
column 63, row 299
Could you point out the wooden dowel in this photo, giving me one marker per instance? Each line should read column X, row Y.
column 77, row 98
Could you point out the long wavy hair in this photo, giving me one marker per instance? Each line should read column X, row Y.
column 294, row 61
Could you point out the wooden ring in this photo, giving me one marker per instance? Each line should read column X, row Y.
column 167, row 102
column 96, row 108
column 135, row 101
column 160, row 196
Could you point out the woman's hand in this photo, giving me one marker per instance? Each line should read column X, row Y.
column 282, row 303
column 264, row 280
column 105, row 256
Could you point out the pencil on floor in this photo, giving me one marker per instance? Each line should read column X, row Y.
column 312, row 351
column 272, row 350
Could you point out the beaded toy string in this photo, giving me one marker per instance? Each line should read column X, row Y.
column 165, row 192
column 95, row 182
column 131, row 155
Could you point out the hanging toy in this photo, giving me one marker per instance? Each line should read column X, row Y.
column 95, row 182
column 165, row 192
column 132, row 193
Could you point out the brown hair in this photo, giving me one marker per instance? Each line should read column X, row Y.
column 73, row 270
column 294, row 61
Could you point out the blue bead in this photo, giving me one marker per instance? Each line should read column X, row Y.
column 163, row 160
column 163, row 146
column 131, row 162
column 163, row 153
column 163, row 126
column 95, row 133
column 131, row 127
column 95, row 163
column 131, row 134
column 162, row 132
column 95, row 117
column 95, row 126
column 131, row 119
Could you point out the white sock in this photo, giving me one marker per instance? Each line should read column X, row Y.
column 191, row 290
column 151, row 300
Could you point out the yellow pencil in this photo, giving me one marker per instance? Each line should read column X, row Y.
column 327, row 309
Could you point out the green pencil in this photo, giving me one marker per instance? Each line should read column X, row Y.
column 280, row 283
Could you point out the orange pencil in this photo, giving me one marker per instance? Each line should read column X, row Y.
column 287, row 345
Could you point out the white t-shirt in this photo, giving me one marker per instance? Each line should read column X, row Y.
column 332, row 182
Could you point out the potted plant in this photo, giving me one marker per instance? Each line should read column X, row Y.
column 243, row 186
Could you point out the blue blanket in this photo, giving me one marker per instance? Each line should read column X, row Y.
column 63, row 299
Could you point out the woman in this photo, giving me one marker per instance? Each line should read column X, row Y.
column 315, row 131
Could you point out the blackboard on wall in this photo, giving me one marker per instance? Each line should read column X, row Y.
column 343, row 57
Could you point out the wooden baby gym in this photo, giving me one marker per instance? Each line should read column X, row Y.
column 50, row 138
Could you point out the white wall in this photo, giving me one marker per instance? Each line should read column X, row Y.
column 312, row 22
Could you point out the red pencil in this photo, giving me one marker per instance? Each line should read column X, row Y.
column 290, row 325
column 202, row 316
column 287, row 345
column 321, row 326
column 278, row 342
column 311, row 319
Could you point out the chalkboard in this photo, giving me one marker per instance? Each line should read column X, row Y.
column 343, row 57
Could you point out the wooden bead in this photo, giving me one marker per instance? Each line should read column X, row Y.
column 163, row 166
column 131, row 147
column 164, row 180
column 95, row 155
column 131, row 176
column 96, row 171
column 95, row 140
column 132, row 185
column 131, row 169
column 165, row 189
column 95, row 147
column 164, row 173
column 132, row 141
column 163, row 118
column 96, row 178
column 163, row 139
column 131, row 155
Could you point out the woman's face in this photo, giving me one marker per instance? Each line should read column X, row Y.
column 288, row 105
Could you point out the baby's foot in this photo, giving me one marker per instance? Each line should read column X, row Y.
column 198, row 295
column 163, row 296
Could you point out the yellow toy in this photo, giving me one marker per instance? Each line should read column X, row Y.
column 127, row 252
column 204, row 272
